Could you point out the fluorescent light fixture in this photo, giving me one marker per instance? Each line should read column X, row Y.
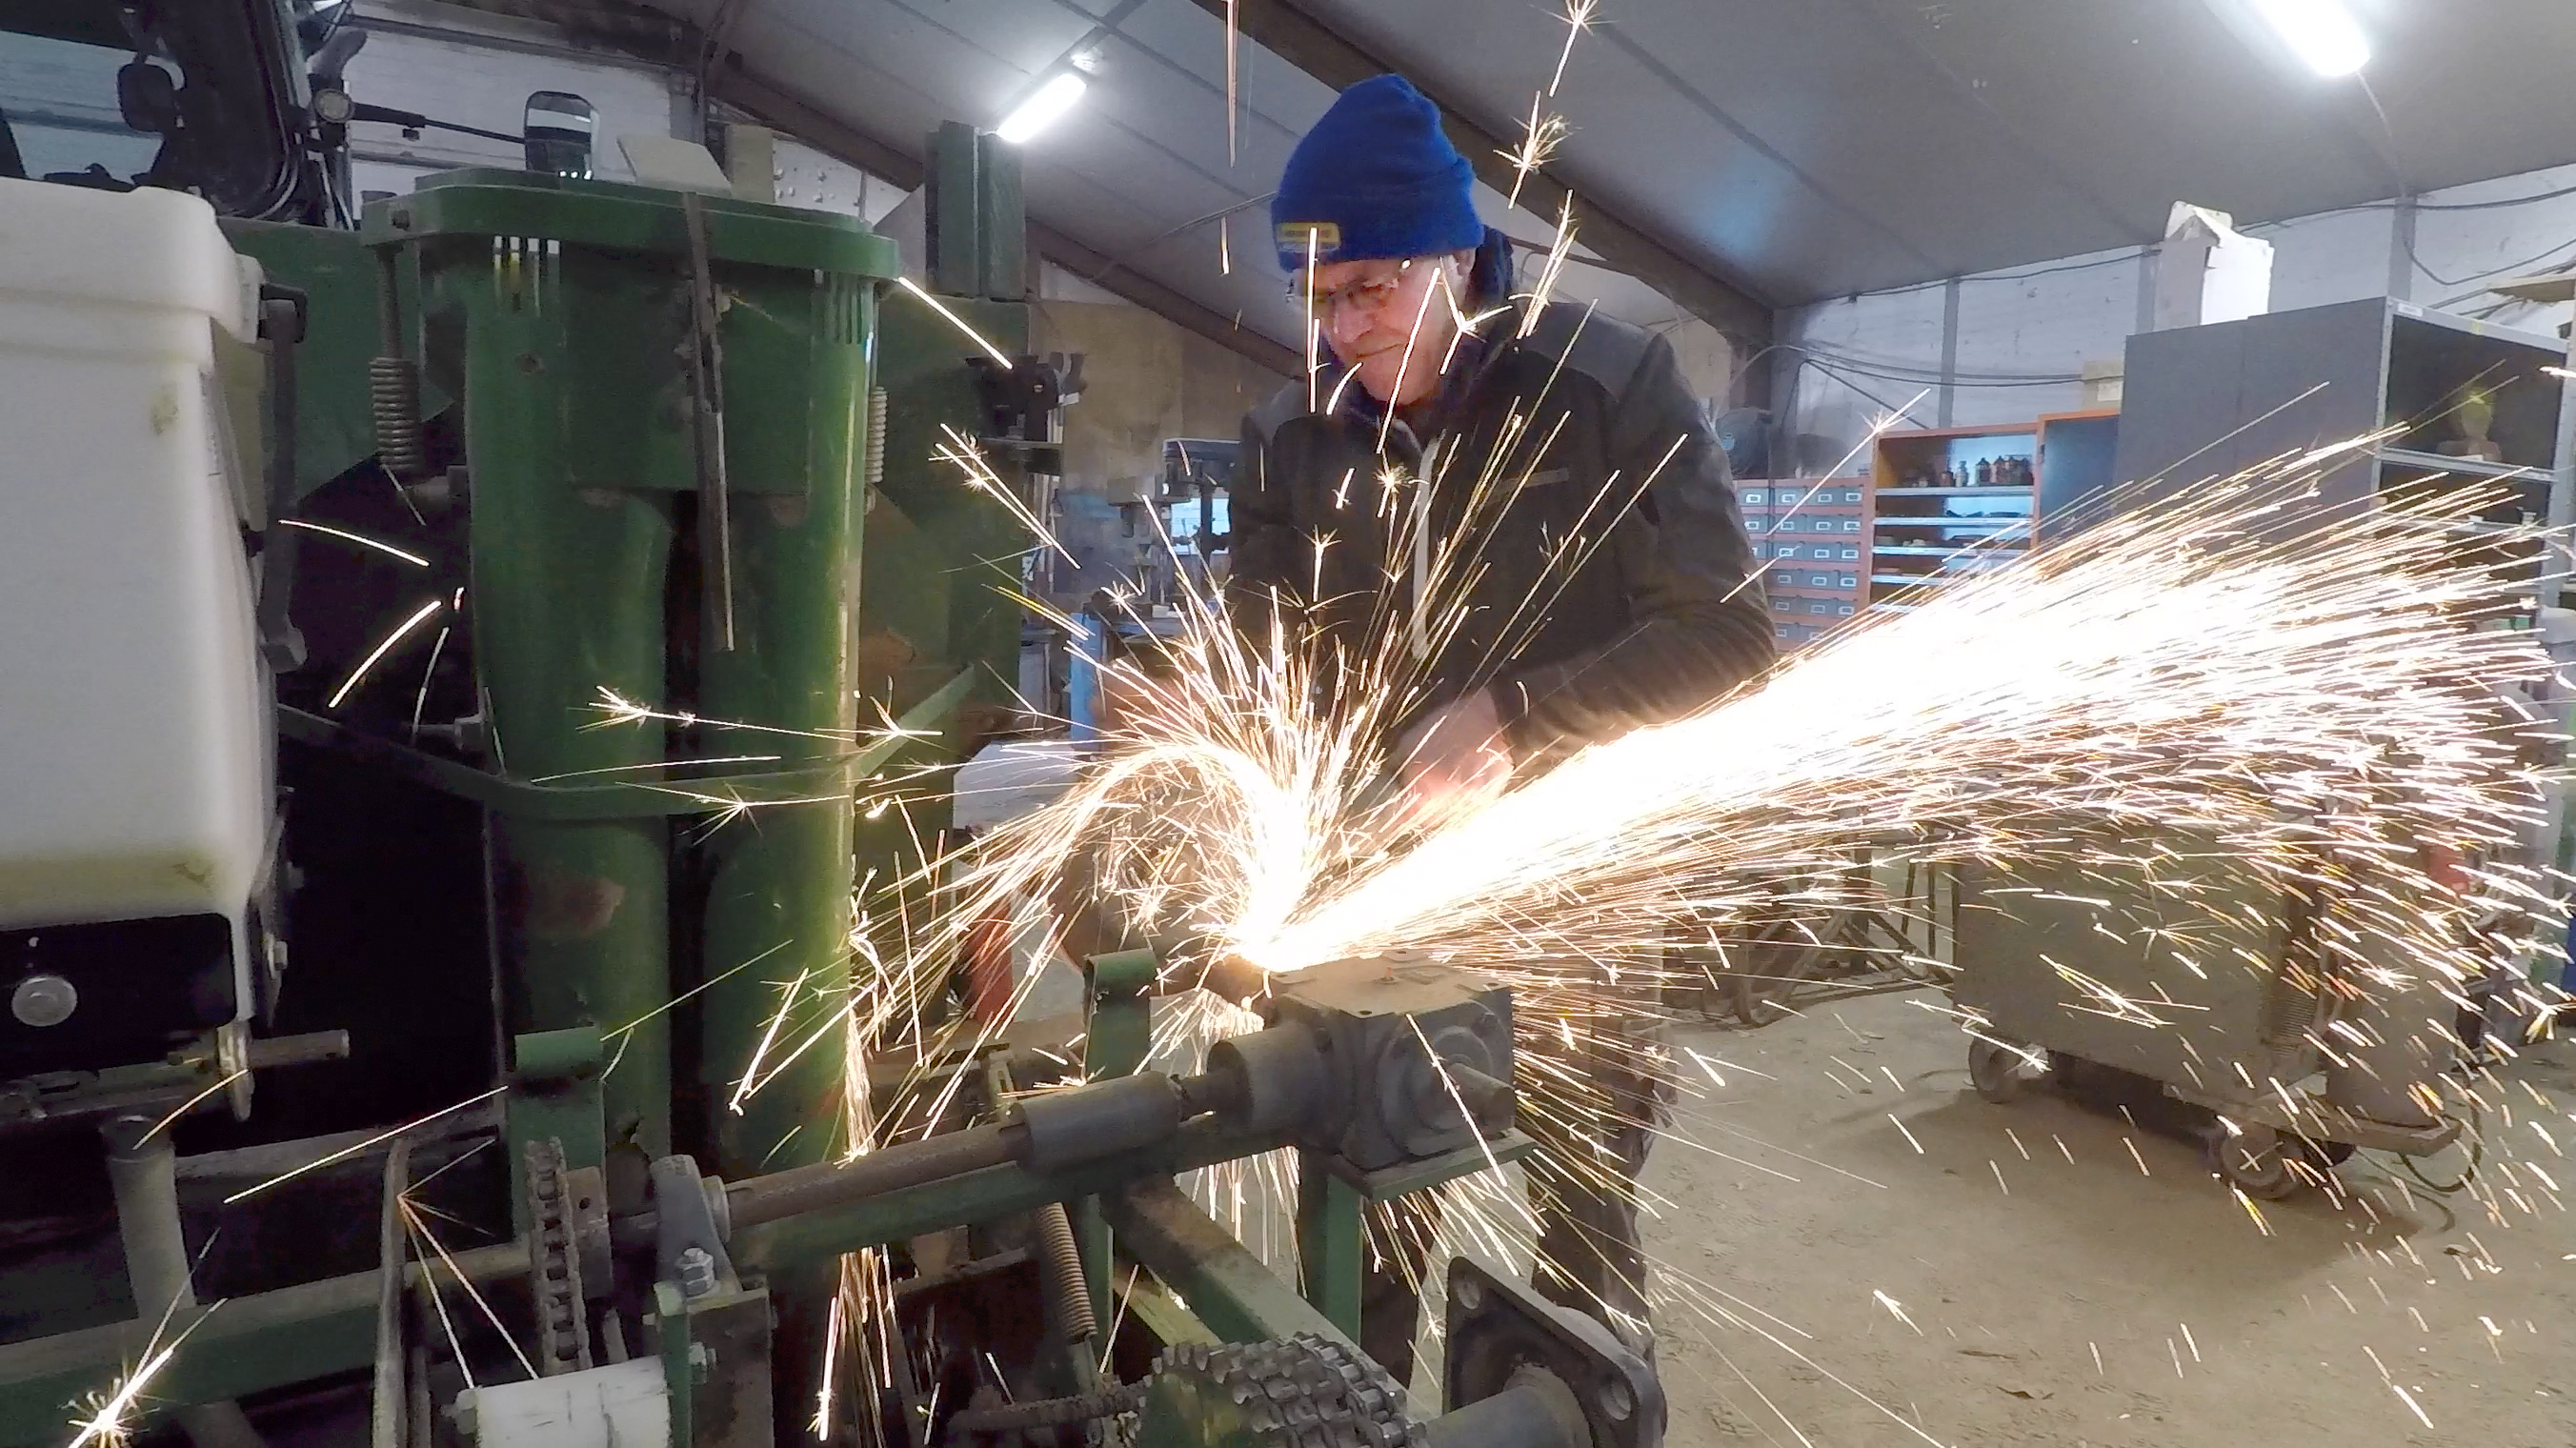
column 2321, row 32
column 1043, row 108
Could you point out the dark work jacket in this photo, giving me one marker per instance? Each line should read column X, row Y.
column 1620, row 521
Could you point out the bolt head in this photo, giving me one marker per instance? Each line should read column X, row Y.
column 696, row 1268
column 43, row 1000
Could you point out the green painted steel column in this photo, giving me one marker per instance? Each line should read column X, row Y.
column 1332, row 1243
column 775, row 949
column 563, row 309
column 566, row 600
column 779, row 878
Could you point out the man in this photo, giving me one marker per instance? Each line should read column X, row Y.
column 1611, row 585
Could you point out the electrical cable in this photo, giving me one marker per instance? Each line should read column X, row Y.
column 2500, row 204
column 1883, row 404
column 2519, row 268
column 2477, row 1155
column 1926, row 377
column 1893, row 371
column 2046, row 271
column 2497, row 205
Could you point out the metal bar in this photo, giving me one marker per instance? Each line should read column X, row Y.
column 1331, row 1243
column 2562, row 488
column 1297, row 36
column 981, row 1195
column 706, row 391
column 142, row 1173
column 1226, row 1287
column 1949, row 410
column 250, row 1345
column 679, row 1373
column 1118, row 1033
column 391, row 1401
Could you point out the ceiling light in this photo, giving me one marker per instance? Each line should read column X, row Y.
column 2322, row 32
column 1042, row 109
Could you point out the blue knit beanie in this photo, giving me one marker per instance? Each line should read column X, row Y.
column 1375, row 178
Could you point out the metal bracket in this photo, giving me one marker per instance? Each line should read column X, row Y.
column 679, row 1369
column 689, row 1243
column 1500, row 1330
column 554, row 1096
column 282, row 313
column 1120, row 1023
column 1233, row 1292
column 706, row 394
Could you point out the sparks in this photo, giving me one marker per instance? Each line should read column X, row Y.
column 401, row 632
column 414, row 559
column 954, row 320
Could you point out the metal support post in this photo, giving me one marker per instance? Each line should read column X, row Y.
column 1332, row 1243
column 1118, row 1033
column 142, row 1172
column 1233, row 1292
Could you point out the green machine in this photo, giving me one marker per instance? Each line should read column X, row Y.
column 604, row 584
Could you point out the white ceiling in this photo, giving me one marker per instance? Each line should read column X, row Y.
column 1797, row 149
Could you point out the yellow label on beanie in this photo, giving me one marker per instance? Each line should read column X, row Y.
column 1322, row 238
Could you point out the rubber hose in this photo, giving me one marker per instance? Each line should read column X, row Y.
column 1064, row 1277
column 1051, row 1412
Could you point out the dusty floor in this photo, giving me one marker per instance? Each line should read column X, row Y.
column 2053, row 1288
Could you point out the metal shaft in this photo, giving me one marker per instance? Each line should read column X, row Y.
column 142, row 1172
column 391, row 1403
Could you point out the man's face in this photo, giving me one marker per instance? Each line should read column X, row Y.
column 1371, row 310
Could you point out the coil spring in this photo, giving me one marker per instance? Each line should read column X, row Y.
column 393, row 386
column 1071, row 1289
column 874, row 471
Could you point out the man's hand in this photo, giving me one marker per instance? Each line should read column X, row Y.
column 1454, row 762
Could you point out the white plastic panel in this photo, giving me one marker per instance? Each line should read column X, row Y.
column 133, row 755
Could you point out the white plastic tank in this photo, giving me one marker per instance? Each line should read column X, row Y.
column 134, row 753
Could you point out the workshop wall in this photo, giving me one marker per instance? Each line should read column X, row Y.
column 479, row 72
column 1144, row 380
column 2023, row 335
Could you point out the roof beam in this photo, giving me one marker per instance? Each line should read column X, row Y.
column 1289, row 31
column 784, row 112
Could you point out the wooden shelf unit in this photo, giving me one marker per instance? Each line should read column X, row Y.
column 1925, row 531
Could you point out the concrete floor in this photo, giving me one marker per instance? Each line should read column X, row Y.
column 2057, row 1289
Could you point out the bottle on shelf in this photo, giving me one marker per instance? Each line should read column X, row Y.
column 1949, row 476
column 1985, row 472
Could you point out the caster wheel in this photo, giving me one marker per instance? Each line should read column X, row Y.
column 2000, row 1071
column 2254, row 1163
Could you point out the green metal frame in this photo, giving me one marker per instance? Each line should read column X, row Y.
column 559, row 308
column 1332, row 1243
column 1118, row 1034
